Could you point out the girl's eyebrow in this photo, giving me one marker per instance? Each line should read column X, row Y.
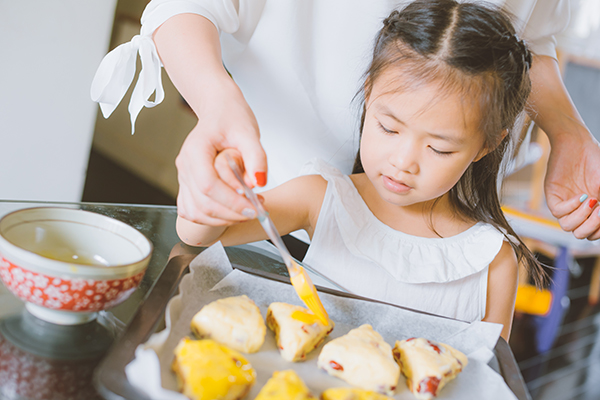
column 387, row 112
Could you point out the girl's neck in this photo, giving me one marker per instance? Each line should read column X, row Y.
column 431, row 219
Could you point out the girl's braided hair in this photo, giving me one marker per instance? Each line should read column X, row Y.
column 473, row 50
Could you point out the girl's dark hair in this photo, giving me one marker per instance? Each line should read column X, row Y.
column 472, row 50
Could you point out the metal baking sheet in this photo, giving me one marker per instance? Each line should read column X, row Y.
column 110, row 377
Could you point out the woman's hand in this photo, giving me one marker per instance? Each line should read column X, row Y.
column 224, row 121
column 574, row 163
column 574, row 170
column 189, row 47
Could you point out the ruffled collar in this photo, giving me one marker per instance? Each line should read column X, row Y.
column 407, row 258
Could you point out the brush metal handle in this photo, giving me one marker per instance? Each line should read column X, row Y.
column 265, row 220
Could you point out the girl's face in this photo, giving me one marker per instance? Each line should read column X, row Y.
column 416, row 144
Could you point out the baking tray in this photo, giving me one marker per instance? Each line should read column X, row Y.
column 110, row 378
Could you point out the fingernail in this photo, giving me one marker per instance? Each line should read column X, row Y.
column 592, row 203
column 261, row 178
column 248, row 213
column 240, row 191
column 583, row 197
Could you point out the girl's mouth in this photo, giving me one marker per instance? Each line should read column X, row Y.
column 395, row 186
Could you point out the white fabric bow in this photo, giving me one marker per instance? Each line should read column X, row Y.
column 116, row 72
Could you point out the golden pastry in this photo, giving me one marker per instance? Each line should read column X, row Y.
column 234, row 321
column 428, row 365
column 363, row 359
column 297, row 330
column 284, row 385
column 207, row 370
column 352, row 394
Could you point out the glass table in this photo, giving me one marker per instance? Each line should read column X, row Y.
column 39, row 360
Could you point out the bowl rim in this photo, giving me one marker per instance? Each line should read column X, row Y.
column 53, row 267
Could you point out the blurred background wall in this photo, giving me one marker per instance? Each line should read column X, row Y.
column 49, row 51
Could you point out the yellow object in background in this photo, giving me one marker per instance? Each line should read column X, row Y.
column 531, row 300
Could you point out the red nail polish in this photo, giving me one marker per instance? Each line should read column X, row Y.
column 592, row 203
column 261, row 178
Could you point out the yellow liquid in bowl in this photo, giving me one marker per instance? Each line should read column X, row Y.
column 74, row 257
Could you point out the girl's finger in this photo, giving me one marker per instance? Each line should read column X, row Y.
column 226, row 174
column 573, row 220
column 589, row 227
column 563, row 208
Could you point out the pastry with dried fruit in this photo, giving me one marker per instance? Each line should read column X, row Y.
column 297, row 330
column 233, row 321
column 363, row 359
column 428, row 365
column 207, row 370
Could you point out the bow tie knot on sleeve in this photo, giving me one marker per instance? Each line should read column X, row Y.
column 116, row 72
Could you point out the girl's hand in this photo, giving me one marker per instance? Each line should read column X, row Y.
column 205, row 234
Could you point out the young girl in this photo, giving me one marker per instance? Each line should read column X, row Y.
column 419, row 224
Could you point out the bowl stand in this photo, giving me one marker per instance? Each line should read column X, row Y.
column 60, row 317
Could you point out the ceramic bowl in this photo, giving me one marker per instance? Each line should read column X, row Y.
column 68, row 264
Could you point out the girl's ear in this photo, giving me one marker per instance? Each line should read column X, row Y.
column 486, row 150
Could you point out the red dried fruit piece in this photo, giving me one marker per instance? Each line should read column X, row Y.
column 429, row 385
column 435, row 347
column 335, row 366
column 303, row 327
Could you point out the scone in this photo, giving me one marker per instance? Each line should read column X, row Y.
column 207, row 370
column 234, row 321
column 352, row 394
column 363, row 359
column 284, row 385
column 427, row 365
column 297, row 330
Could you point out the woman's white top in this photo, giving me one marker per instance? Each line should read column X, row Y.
column 299, row 64
column 443, row 276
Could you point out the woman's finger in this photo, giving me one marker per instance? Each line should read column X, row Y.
column 595, row 235
column 589, row 227
column 214, row 204
column 573, row 220
column 566, row 207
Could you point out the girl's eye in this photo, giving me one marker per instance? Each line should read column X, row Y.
column 383, row 128
column 441, row 153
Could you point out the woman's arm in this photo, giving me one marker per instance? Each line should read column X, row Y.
column 293, row 205
column 189, row 48
column 574, row 164
column 502, row 289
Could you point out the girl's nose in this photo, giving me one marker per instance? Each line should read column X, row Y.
column 405, row 157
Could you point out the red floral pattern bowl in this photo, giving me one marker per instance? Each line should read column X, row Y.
column 67, row 264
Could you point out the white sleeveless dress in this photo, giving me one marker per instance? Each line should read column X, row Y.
column 443, row 276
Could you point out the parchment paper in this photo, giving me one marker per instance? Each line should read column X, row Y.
column 212, row 277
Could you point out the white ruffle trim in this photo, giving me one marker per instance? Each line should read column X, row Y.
column 409, row 259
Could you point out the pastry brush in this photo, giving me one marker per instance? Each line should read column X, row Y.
column 298, row 276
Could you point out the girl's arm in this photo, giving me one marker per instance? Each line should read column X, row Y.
column 293, row 205
column 502, row 289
